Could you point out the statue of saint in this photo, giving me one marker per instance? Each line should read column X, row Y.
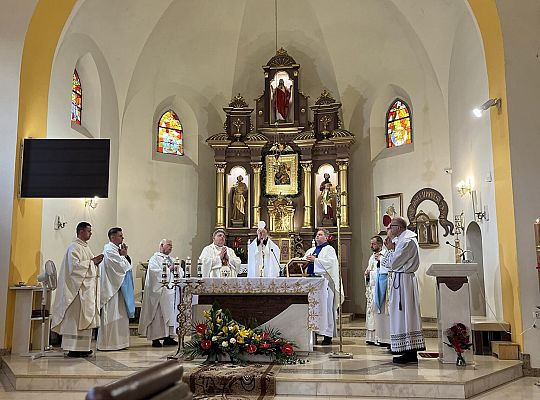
column 328, row 201
column 239, row 193
column 281, row 98
column 282, row 177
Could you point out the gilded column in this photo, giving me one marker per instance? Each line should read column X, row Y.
column 220, row 194
column 256, row 193
column 343, row 173
column 306, row 167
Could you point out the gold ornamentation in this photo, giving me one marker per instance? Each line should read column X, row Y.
column 282, row 177
column 325, row 98
column 281, row 59
column 281, row 212
column 238, row 102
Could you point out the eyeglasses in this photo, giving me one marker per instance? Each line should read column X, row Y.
column 393, row 225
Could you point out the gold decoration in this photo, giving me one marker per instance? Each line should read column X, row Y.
column 282, row 176
column 281, row 212
column 325, row 98
column 238, row 102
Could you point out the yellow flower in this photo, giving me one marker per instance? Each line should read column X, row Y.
column 219, row 320
column 225, row 329
column 240, row 339
column 206, row 313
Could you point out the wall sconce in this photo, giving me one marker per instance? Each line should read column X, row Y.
column 58, row 223
column 92, row 203
column 477, row 112
column 464, row 188
column 480, row 215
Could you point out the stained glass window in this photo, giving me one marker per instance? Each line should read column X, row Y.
column 398, row 124
column 76, row 99
column 170, row 139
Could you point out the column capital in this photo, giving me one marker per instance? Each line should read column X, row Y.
column 220, row 166
column 256, row 166
column 343, row 163
column 306, row 165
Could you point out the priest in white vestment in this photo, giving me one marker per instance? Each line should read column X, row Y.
column 113, row 333
column 402, row 261
column 75, row 311
column 263, row 256
column 373, row 287
column 159, row 307
column 323, row 261
column 218, row 260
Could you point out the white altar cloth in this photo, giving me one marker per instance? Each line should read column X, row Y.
column 316, row 290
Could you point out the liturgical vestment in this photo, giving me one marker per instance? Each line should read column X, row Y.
column 263, row 259
column 75, row 309
column 159, row 307
column 326, row 264
column 211, row 262
column 113, row 333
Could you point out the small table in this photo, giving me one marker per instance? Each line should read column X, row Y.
column 22, row 324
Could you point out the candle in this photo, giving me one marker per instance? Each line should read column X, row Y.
column 537, row 233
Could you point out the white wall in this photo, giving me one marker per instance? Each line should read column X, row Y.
column 471, row 150
column 14, row 20
column 521, row 33
column 102, row 122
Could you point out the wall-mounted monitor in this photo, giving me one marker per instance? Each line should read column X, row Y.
column 65, row 168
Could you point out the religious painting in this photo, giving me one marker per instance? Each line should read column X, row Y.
column 238, row 198
column 388, row 207
column 284, row 249
column 281, row 98
column 326, row 180
column 281, row 175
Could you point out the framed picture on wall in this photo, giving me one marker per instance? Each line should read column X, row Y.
column 282, row 176
column 388, row 207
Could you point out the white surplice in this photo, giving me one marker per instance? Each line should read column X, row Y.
column 370, row 280
column 113, row 333
column 404, row 302
column 211, row 262
column 159, row 307
column 326, row 264
column 263, row 260
column 75, row 309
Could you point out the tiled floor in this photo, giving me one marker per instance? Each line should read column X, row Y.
column 372, row 363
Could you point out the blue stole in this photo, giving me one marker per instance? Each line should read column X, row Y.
column 311, row 266
column 380, row 289
column 128, row 293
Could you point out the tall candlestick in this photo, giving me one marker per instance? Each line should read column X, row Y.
column 537, row 243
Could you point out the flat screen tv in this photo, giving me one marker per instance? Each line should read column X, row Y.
column 65, row 168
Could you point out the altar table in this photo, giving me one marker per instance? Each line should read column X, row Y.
column 294, row 306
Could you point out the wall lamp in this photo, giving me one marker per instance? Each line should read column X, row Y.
column 92, row 203
column 477, row 112
column 464, row 188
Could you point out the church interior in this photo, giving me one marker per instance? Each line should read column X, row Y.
column 304, row 114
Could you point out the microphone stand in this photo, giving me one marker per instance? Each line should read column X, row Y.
column 340, row 353
column 278, row 263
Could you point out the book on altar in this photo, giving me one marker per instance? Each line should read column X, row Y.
column 296, row 267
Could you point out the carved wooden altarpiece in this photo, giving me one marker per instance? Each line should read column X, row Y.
column 293, row 164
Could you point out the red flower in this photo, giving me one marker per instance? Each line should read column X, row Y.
column 330, row 238
column 287, row 349
column 206, row 344
column 236, row 243
column 201, row 328
column 265, row 335
column 265, row 346
column 251, row 349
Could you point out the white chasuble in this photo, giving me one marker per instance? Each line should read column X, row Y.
column 211, row 262
column 75, row 309
column 404, row 302
column 263, row 259
column 113, row 333
column 159, row 307
column 326, row 264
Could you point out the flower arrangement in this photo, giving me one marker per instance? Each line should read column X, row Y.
column 221, row 335
column 459, row 338
column 238, row 250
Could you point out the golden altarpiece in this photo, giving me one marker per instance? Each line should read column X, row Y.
column 285, row 169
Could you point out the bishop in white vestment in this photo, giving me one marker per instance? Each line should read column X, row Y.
column 219, row 260
column 263, row 257
column 159, row 308
column 325, row 263
column 402, row 260
column 75, row 309
column 113, row 333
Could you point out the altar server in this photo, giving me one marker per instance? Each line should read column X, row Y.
column 159, row 307
column 217, row 259
column 377, row 319
column 263, row 256
column 323, row 260
column 402, row 260
column 117, row 299
column 75, row 309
